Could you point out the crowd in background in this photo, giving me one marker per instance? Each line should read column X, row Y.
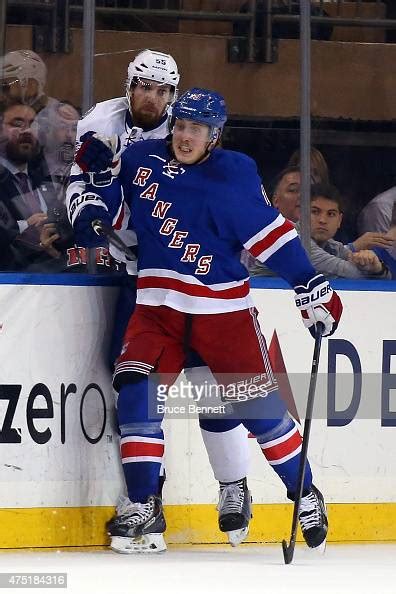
column 37, row 138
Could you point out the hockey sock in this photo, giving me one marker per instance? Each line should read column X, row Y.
column 281, row 445
column 277, row 434
column 142, row 442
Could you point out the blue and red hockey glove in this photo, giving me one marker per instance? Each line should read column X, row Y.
column 84, row 234
column 98, row 153
column 318, row 303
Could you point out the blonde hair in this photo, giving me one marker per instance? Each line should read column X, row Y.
column 319, row 168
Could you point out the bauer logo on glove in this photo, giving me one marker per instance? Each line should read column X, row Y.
column 314, row 296
column 318, row 303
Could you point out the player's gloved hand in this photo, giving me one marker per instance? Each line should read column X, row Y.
column 318, row 303
column 84, row 234
column 98, row 152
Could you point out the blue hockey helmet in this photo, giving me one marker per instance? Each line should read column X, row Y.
column 201, row 106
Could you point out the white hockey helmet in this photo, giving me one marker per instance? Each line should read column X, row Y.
column 155, row 66
column 22, row 65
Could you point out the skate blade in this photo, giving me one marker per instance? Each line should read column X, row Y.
column 321, row 549
column 147, row 543
column 235, row 537
column 318, row 551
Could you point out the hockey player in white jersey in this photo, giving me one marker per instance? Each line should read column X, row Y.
column 144, row 113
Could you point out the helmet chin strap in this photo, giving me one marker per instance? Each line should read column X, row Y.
column 215, row 135
column 207, row 152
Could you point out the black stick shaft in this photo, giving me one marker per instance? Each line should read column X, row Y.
column 102, row 229
column 288, row 549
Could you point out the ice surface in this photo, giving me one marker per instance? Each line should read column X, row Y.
column 344, row 569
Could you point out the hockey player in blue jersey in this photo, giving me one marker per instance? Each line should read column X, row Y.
column 143, row 113
column 194, row 207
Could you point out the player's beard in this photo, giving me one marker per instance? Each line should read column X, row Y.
column 146, row 119
column 146, row 115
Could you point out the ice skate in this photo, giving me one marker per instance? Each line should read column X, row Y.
column 138, row 527
column 313, row 519
column 235, row 510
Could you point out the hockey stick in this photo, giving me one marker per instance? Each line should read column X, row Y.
column 101, row 228
column 288, row 549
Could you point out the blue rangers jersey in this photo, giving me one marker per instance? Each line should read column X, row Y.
column 192, row 222
column 108, row 118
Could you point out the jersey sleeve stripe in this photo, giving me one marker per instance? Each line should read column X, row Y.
column 277, row 222
column 274, row 237
column 274, row 247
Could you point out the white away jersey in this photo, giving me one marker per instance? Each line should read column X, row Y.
column 109, row 118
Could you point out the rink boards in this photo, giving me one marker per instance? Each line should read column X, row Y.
column 60, row 474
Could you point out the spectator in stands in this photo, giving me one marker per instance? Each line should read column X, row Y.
column 328, row 257
column 319, row 168
column 377, row 222
column 24, row 199
column 286, row 193
column 379, row 215
column 326, row 217
column 23, row 77
column 57, row 137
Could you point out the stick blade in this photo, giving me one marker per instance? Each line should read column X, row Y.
column 288, row 552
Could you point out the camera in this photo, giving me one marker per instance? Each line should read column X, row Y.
column 57, row 215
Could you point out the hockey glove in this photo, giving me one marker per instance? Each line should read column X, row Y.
column 84, row 234
column 318, row 303
column 98, row 153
